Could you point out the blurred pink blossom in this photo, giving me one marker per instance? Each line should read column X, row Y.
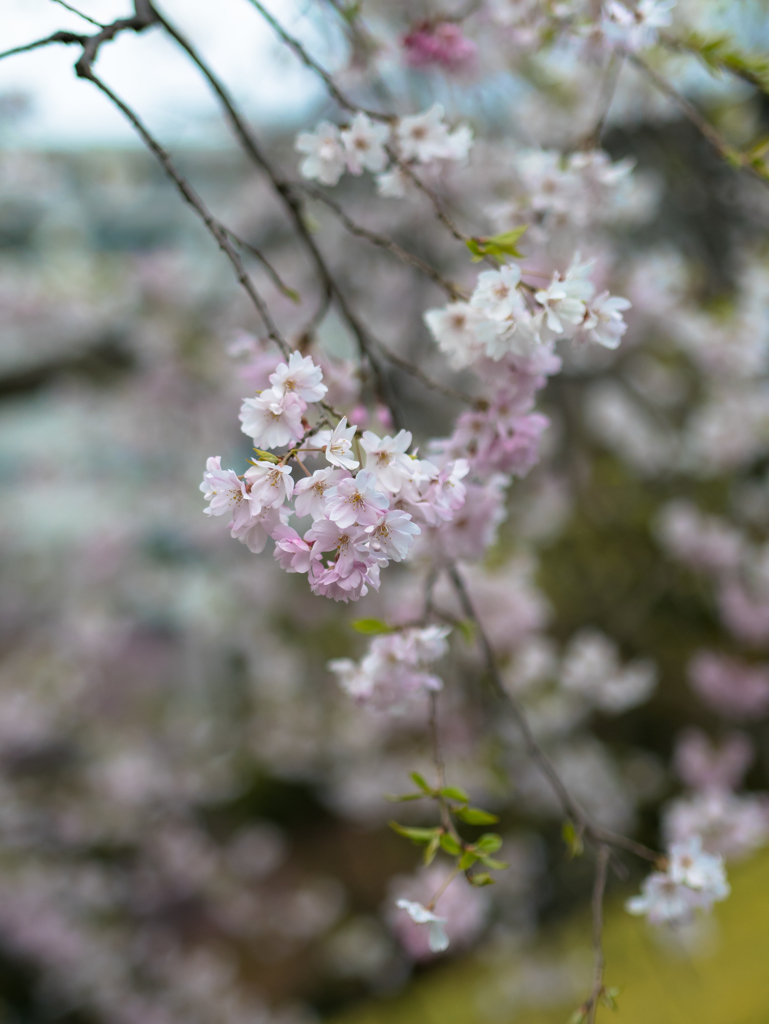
column 439, row 44
column 729, row 687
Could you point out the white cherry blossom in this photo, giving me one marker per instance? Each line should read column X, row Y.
column 270, row 485
column 272, row 419
column 364, row 144
column 386, row 458
column 337, row 447
column 310, row 492
column 439, row 940
column 325, row 160
column 300, row 376
column 496, row 293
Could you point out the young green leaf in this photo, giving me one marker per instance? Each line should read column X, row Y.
column 432, row 848
column 454, row 793
column 467, row 861
column 468, row 630
column 488, row 844
column 419, row 780
column 450, row 845
column 403, row 797
column 475, row 816
column 370, row 627
column 416, row 835
column 579, row 1016
column 572, row 838
column 481, row 878
column 495, row 865
column 266, row 456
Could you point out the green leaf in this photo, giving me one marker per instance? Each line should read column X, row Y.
column 579, row 1016
column 481, row 878
column 416, row 835
column 265, row 457
column 371, row 627
column 454, row 793
column 450, row 845
column 468, row 630
column 432, row 848
column 609, row 997
column 419, row 780
column 495, row 865
column 573, row 839
column 497, row 246
column 505, row 241
column 475, row 816
column 291, row 293
column 467, row 861
column 489, row 843
column 405, row 796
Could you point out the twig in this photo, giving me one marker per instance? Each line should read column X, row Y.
column 599, row 888
column 293, row 44
column 74, row 10
column 608, row 89
column 585, row 827
column 294, row 208
column 415, row 371
column 277, row 280
column 68, row 38
column 355, row 108
column 382, row 242
column 729, row 153
column 219, row 233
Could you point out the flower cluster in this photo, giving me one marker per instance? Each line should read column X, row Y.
column 693, row 880
column 364, row 519
column 440, row 44
column 368, row 145
column 503, row 318
column 395, row 670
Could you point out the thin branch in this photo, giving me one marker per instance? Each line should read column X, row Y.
column 355, row 108
column 415, row 371
column 382, row 242
column 277, row 280
column 293, row 44
column 608, row 89
column 74, row 10
column 599, row 888
column 569, row 805
column 728, row 153
column 295, row 210
column 68, row 38
column 193, row 199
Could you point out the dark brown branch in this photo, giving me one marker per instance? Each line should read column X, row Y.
column 599, row 888
column 725, row 151
column 192, row 199
column 68, row 38
column 275, row 277
column 415, row 371
column 74, row 10
column 293, row 44
column 143, row 17
column 295, row 210
column 382, row 242
column 585, row 827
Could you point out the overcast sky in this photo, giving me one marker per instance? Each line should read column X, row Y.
column 150, row 72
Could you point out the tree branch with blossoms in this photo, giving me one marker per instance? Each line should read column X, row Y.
column 368, row 498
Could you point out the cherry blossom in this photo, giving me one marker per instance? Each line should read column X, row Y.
column 364, row 144
column 272, row 419
column 299, row 376
column 326, row 158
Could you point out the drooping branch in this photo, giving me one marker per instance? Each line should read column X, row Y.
column 571, row 808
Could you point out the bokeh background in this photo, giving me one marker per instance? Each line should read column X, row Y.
column 192, row 822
